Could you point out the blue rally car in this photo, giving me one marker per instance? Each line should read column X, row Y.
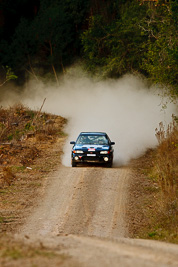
column 92, row 147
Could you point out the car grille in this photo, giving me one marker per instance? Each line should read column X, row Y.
column 92, row 152
column 91, row 159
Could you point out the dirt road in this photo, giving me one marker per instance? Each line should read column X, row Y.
column 87, row 201
column 83, row 209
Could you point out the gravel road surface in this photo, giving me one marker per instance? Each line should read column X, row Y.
column 83, row 210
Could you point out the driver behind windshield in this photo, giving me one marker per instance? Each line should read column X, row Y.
column 92, row 140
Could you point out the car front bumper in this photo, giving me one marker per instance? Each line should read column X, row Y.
column 79, row 158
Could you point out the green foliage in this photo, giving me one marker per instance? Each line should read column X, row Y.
column 142, row 38
column 29, row 127
column 161, row 53
column 10, row 137
column 117, row 46
column 7, row 75
column 30, row 113
column 10, row 74
column 152, row 234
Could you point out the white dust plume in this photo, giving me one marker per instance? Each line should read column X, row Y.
column 124, row 108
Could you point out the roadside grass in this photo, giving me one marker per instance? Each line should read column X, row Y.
column 31, row 145
column 19, row 122
column 24, row 134
column 166, row 164
column 157, row 189
column 13, row 250
column 165, row 171
column 17, row 252
column 18, row 169
column 33, row 184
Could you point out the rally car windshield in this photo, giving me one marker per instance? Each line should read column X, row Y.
column 92, row 140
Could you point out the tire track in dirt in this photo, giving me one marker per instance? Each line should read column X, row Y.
column 87, row 201
column 108, row 220
column 51, row 209
column 117, row 223
column 97, row 204
column 82, row 207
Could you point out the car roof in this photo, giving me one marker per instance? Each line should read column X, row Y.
column 92, row 133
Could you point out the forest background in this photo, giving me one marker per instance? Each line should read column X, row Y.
column 41, row 38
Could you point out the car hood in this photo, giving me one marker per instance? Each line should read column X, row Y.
column 87, row 147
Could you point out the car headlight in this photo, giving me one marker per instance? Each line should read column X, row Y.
column 104, row 152
column 77, row 151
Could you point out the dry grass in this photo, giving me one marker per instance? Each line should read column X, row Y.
column 153, row 208
column 22, row 131
column 18, row 123
column 165, row 172
column 8, row 175
column 166, row 164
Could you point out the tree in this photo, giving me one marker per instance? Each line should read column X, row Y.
column 49, row 40
column 116, row 47
column 161, row 51
column 141, row 38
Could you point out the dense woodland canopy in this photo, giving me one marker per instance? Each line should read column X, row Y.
column 111, row 38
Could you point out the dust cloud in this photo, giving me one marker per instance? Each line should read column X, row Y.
column 124, row 108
